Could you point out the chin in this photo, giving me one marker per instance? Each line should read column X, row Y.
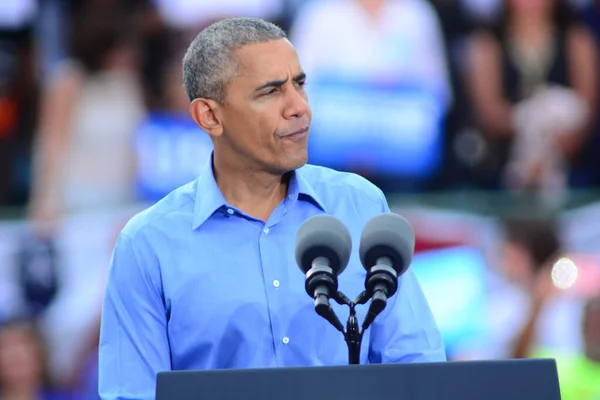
column 294, row 162
column 300, row 160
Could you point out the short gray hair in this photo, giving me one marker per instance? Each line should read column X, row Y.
column 208, row 64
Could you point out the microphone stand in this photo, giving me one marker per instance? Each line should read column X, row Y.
column 353, row 334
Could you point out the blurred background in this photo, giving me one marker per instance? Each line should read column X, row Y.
column 478, row 118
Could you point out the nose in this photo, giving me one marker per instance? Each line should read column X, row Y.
column 296, row 104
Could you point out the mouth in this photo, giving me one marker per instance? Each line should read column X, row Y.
column 299, row 134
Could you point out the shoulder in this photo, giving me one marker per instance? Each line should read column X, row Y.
column 175, row 209
column 341, row 185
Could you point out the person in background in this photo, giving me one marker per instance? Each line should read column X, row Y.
column 456, row 25
column 84, row 162
column 533, row 83
column 586, row 171
column 90, row 109
column 396, row 40
column 530, row 251
column 359, row 52
column 23, row 369
column 528, row 313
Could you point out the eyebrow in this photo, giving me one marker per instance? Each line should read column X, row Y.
column 280, row 82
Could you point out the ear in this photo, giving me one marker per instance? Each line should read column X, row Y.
column 205, row 113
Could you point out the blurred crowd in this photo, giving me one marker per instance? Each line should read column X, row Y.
column 516, row 83
column 93, row 117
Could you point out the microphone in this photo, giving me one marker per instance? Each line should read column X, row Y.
column 386, row 250
column 323, row 246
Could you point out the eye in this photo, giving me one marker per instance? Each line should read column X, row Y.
column 270, row 91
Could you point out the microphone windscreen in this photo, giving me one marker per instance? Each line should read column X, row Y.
column 323, row 236
column 387, row 235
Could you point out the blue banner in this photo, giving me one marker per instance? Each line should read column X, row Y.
column 387, row 128
column 171, row 151
column 453, row 280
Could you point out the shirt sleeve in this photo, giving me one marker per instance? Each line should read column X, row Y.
column 134, row 345
column 406, row 330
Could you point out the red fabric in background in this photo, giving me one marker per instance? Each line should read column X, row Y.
column 8, row 116
column 422, row 244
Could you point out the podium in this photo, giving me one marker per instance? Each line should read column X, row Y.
column 526, row 379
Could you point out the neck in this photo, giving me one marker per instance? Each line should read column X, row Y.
column 257, row 193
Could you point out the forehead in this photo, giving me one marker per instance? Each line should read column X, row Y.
column 260, row 62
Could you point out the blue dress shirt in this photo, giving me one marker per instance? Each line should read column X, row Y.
column 197, row 284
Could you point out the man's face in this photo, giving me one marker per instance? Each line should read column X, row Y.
column 266, row 116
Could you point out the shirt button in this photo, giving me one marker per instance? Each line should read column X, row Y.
column 285, row 340
column 291, row 196
column 230, row 211
column 276, row 283
column 266, row 231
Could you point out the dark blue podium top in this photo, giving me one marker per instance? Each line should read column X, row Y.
column 531, row 379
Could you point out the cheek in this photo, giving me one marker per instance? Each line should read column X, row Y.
column 241, row 125
column 253, row 132
column 263, row 128
column 253, row 127
column 266, row 124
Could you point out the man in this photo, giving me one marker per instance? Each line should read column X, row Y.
column 206, row 278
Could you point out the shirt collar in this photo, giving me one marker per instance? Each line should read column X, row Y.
column 209, row 197
column 301, row 188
